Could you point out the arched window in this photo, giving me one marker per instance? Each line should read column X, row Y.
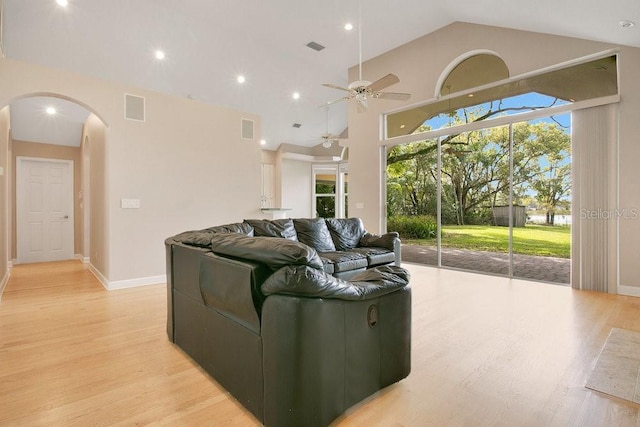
column 474, row 71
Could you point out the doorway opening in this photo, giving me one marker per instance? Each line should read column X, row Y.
column 50, row 213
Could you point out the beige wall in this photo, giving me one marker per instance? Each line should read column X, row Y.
column 419, row 65
column 187, row 164
column 297, row 182
column 4, row 192
column 48, row 151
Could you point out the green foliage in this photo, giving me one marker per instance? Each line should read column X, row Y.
column 475, row 172
column 326, row 207
column 413, row 227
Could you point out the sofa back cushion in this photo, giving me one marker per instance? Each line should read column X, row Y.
column 274, row 252
column 273, row 228
column 200, row 238
column 237, row 227
column 345, row 232
column 314, row 232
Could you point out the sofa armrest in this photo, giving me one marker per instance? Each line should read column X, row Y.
column 390, row 241
column 387, row 240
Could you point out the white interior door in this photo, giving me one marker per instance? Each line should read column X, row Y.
column 44, row 214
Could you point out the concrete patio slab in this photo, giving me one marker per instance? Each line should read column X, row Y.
column 546, row 269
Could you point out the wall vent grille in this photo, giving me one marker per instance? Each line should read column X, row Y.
column 247, row 129
column 134, row 107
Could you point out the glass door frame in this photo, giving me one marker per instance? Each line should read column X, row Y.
column 341, row 171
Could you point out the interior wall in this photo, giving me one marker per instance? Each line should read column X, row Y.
column 4, row 192
column 186, row 163
column 419, row 65
column 93, row 154
column 48, row 151
column 296, row 181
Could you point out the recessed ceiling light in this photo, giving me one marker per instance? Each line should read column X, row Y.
column 241, row 79
column 470, row 95
column 402, row 126
column 160, row 54
column 62, row 3
column 626, row 24
column 348, row 26
column 51, row 111
column 296, row 95
column 263, row 142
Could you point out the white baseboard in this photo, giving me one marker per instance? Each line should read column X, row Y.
column 124, row 284
column 4, row 281
column 103, row 280
column 631, row 291
column 132, row 283
column 83, row 259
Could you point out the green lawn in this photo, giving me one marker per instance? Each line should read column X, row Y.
column 554, row 241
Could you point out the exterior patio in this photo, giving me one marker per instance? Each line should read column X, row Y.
column 546, row 269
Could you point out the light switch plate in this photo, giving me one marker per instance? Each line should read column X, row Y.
column 130, row 203
column 1, row 171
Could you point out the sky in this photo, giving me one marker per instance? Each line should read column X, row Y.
column 529, row 99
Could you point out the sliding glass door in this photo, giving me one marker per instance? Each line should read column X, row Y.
column 495, row 200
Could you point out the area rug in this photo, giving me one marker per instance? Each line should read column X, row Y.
column 617, row 369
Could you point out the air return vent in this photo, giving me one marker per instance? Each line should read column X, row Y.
column 133, row 107
column 315, row 46
column 247, row 129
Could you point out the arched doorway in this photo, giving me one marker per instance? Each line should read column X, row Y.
column 50, row 178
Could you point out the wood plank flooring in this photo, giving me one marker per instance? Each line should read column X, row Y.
column 486, row 351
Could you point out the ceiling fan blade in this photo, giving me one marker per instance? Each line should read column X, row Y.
column 335, row 87
column 386, row 81
column 344, row 98
column 393, row 95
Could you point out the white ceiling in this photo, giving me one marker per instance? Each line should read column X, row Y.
column 31, row 122
column 209, row 42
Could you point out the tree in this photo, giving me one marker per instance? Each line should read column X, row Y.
column 475, row 171
column 552, row 184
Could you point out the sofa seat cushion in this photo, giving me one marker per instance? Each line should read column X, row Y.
column 314, row 232
column 273, row 228
column 309, row 282
column 271, row 251
column 339, row 261
column 376, row 256
column 345, row 232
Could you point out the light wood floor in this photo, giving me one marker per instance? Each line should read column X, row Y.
column 486, row 351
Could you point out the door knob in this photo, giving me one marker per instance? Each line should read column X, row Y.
column 66, row 217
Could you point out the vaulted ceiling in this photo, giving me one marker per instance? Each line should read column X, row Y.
column 209, row 43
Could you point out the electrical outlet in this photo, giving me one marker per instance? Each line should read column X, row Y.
column 130, row 203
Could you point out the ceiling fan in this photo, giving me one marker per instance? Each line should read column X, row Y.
column 328, row 138
column 363, row 90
